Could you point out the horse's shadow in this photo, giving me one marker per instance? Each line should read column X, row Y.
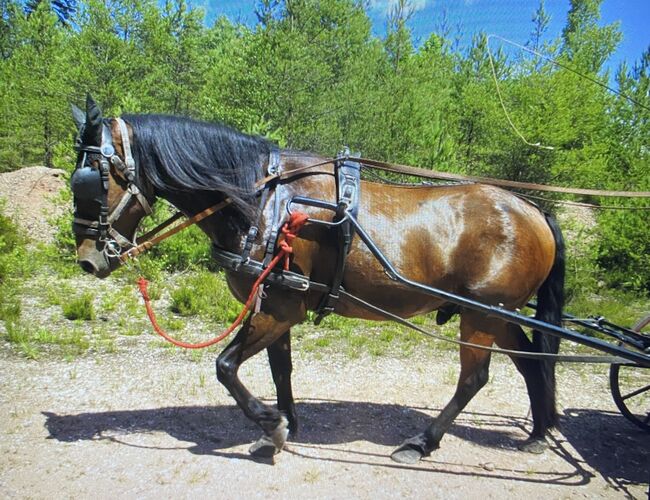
column 604, row 441
column 322, row 422
column 610, row 444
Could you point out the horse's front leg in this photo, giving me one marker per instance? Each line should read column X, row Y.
column 258, row 332
column 281, row 367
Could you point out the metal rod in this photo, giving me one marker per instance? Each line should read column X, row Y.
column 601, row 325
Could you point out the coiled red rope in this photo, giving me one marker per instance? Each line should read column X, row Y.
column 289, row 231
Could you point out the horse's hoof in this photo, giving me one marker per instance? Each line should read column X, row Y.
column 406, row 455
column 537, row 446
column 263, row 448
column 280, row 433
column 269, row 445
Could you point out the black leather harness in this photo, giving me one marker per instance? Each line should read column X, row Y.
column 348, row 193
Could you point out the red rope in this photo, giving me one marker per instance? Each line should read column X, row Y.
column 289, row 230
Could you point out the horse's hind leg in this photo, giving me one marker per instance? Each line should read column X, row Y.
column 540, row 391
column 474, row 374
column 281, row 367
column 257, row 333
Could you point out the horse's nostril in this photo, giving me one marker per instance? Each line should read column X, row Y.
column 87, row 266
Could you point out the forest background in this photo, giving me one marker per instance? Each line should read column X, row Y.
column 312, row 75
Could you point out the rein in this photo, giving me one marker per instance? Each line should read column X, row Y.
column 433, row 174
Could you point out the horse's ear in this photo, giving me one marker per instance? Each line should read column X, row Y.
column 78, row 116
column 92, row 133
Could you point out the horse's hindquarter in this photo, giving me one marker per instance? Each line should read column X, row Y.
column 474, row 240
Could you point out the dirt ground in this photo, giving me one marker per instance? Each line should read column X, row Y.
column 151, row 424
column 29, row 196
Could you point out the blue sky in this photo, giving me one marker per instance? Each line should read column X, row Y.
column 510, row 19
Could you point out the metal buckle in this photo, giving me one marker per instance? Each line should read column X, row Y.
column 112, row 249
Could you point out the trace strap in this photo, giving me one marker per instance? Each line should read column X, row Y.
column 289, row 230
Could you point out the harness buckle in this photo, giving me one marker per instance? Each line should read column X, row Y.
column 112, row 249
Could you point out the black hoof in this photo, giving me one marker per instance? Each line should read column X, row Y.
column 412, row 450
column 292, row 426
column 406, row 455
column 263, row 448
column 272, row 443
column 536, row 446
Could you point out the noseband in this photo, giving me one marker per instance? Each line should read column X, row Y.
column 90, row 188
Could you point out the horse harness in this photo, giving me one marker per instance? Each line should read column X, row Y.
column 348, row 190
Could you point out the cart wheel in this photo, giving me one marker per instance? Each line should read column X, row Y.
column 630, row 386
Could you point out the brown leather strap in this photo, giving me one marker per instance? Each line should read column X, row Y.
column 148, row 243
column 432, row 174
column 160, row 227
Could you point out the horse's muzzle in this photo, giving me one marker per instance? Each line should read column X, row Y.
column 95, row 262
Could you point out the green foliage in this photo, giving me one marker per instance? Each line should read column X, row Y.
column 13, row 265
column 311, row 75
column 12, row 245
column 30, row 340
column 187, row 249
column 624, row 248
column 79, row 308
column 205, row 294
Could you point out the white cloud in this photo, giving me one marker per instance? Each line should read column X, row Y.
column 386, row 6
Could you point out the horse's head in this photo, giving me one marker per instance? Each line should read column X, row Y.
column 110, row 199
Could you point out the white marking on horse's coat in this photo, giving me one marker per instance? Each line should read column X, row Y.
column 439, row 221
column 504, row 252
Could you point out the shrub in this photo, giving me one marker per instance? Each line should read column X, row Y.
column 624, row 248
column 12, row 246
column 13, row 264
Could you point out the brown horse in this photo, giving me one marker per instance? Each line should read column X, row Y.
column 473, row 240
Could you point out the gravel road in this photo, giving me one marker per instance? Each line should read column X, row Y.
column 151, row 423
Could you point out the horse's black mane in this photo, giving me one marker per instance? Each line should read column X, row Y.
column 178, row 154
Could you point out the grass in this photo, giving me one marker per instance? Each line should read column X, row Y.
column 619, row 307
column 32, row 341
column 356, row 337
column 204, row 293
column 79, row 308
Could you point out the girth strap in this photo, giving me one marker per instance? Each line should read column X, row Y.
column 348, row 189
column 272, row 170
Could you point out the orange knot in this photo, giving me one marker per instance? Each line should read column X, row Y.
column 142, row 285
column 290, row 231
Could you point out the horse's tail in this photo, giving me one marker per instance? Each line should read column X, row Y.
column 550, row 300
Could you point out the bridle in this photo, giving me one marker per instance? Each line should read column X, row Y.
column 92, row 217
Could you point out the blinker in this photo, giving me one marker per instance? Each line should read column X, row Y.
column 86, row 184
